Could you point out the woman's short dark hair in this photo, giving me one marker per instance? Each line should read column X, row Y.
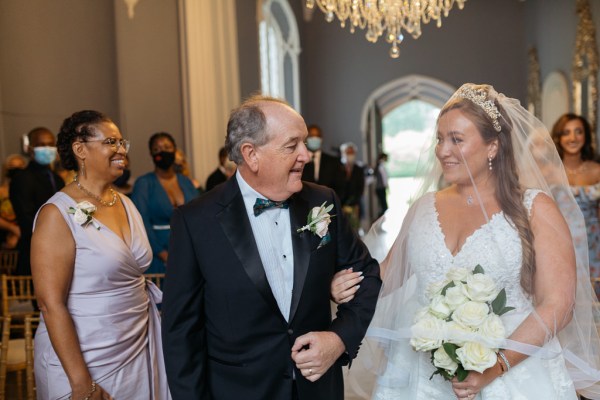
column 80, row 125
column 587, row 151
column 160, row 135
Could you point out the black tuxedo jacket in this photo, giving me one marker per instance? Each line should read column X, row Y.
column 223, row 334
column 331, row 173
column 29, row 190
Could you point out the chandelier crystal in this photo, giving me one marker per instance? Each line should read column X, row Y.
column 389, row 16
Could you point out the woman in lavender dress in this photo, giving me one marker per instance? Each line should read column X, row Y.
column 99, row 337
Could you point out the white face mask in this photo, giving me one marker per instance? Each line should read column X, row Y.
column 313, row 143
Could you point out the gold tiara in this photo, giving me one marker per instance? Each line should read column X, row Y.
column 479, row 97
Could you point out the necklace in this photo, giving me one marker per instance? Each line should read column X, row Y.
column 97, row 198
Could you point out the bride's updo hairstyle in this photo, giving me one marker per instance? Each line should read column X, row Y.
column 79, row 126
column 492, row 123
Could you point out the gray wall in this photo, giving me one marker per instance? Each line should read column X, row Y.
column 56, row 57
column 61, row 56
column 483, row 43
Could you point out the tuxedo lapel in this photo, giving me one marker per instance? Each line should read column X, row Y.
column 234, row 221
column 299, row 208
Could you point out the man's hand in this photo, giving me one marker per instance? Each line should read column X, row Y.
column 315, row 352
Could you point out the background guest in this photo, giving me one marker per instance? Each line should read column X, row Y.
column 9, row 229
column 32, row 187
column 99, row 337
column 158, row 193
column 573, row 138
column 182, row 167
column 354, row 184
column 323, row 168
column 381, row 183
column 221, row 174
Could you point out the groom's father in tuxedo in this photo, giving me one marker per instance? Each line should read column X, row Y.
column 246, row 312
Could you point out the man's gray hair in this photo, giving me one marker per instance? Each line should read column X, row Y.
column 248, row 124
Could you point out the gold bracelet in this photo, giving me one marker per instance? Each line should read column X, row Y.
column 89, row 395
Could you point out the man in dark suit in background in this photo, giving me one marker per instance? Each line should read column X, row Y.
column 31, row 187
column 220, row 174
column 246, row 310
column 323, row 168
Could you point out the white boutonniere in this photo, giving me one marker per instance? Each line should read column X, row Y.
column 83, row 213
column 318, row 221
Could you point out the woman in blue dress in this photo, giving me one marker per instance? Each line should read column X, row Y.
column 157, row 193
column 573, row 138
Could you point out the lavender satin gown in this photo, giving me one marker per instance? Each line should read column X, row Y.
column 114, row 311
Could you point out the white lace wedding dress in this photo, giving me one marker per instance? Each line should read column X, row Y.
column 497, row 248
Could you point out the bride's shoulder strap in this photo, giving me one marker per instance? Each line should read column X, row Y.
column 528, row 198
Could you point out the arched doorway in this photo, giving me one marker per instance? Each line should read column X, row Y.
column 399, row 118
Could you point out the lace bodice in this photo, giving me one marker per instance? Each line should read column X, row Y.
column 495, row 246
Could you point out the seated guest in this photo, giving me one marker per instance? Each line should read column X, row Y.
column 32, row 187
column 99, row 335
column 9, row 229
column 222, row 173
column 158, row 193
column 323, row 168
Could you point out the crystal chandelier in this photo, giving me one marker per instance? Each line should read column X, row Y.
column 391, row 16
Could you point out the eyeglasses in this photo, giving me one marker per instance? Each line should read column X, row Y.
column 114, row 143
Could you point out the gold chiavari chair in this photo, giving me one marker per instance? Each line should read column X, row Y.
column 17, row 299
column 4, row 354
column 31, row 324
column 8, row 261
column 156, row 278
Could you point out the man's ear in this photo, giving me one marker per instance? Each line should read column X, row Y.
column 250, row 156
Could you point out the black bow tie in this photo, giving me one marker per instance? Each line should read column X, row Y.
column 264, row 204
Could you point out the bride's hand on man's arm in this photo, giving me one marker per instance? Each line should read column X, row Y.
column 344, row 285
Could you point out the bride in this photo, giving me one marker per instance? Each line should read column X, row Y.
column 501, row 200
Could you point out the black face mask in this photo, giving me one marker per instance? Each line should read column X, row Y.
column 122, row 180
column 164, row 160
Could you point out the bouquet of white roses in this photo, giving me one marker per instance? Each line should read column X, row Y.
column 465, row 306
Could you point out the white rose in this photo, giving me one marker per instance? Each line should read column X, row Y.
column 471, row 314
column 426, row 333
column 422, row 313
column 458, row 274
column 435, row 288
column 442, row 360
column 492, row 327
column 475, row 357
column 457, row 333
column 315, row 212
column 80, row 217
column 322, row 226
column 480, row 287
column 439, row 308
column 86, row 206
column 455, row 296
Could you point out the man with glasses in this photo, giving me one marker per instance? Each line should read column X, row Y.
column 32, row 187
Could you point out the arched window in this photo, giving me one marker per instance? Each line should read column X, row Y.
column 279, row 45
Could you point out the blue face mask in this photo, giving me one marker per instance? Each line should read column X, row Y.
column 44, row 155
column 313, row 143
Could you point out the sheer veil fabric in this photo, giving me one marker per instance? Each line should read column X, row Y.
column 416, row 260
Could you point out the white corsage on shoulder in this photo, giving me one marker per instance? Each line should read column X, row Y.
column 83, row 213
column 318, row 223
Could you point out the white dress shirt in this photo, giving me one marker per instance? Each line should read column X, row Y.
column 273, row 236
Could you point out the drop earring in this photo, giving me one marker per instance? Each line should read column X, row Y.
column 83, row 168
column 490, row 163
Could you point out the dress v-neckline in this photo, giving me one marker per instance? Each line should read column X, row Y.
column 102, row 225
column 468, row 239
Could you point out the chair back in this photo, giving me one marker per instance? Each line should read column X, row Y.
column 8, row 261
column 17, row 298
column 31, row 324
column 156, row 278
column 4, row 354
